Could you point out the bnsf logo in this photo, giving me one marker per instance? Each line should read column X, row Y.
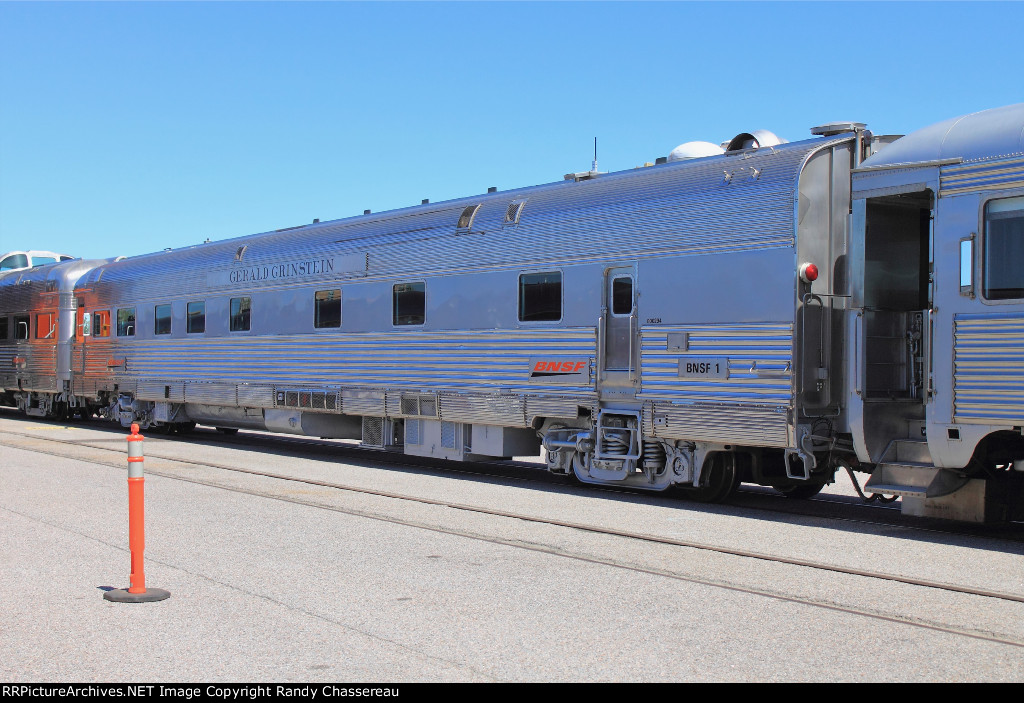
column 559, row 366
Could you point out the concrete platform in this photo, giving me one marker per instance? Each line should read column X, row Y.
column 352, row 587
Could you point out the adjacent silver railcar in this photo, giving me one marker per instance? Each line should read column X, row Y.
column 765, row 315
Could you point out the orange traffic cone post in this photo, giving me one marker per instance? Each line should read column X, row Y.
column 136, row 591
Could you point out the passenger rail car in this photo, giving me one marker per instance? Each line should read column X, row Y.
column 767, row 314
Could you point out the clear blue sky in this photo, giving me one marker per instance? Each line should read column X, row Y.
column 129, row 127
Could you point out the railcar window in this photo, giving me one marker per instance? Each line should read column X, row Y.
column 126, row 322
column 162, row 319
column 46, row 325
column 241, row 314
column 1004, row 249
column 540, row 297
column 327, row 312
column 14, row 261
column 101, row 323
column 622, row 295
column 3, row 327
column 21, row 326
column 196, row 318
column 410, row 303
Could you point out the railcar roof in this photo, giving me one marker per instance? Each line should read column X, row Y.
column 433, row 219
column 989, row 134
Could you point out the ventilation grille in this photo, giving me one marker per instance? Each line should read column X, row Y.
column 466, row 219
column 373, row 431
column 514, row 212
column 311, row 400
column 419, row 405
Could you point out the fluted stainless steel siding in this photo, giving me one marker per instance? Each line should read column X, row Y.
column 749, row 407
column 750, row 425
column 986, row 175
column 988, row 369
column 485, row 373
column 769, row 346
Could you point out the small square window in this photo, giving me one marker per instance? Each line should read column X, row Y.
column 327, row 310
column 195, row 318
column 540, row 297
column 46, row 325
column 101, row 323
column 410, row 303
column 21, row 326
column 241, row 314
column 126, row 322
column 162, row 319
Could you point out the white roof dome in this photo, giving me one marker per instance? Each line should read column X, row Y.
column 695, row 150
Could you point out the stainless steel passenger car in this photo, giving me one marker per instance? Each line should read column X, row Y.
column 764, row 315
column 37, row 332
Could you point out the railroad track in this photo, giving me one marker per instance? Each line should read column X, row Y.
column 117, row 462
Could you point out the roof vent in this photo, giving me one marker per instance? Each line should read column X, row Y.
column 831, row 129
column 240, row 252
column 753, row 140
column 514, row 212
column 466, row 219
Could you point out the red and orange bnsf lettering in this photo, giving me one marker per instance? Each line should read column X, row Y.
column 559, row 366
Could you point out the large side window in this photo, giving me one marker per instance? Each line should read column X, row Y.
column 540, row 297
column 21, row 326
column 410, row 304
column 327, row 310
column 1004, row 249
column 162, row 319
column 196, row 317
column 126, row 322
column 14, row 261
column 101, row 323
column 46, row 325
column 241, row 314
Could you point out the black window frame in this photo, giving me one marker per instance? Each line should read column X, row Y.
column 51, row 318
column 18, row 321
column 193, row 319
column 126, row 327
column 163, row 316
column 614, row 300
column 526, row 296
column 327, row 310
column 408, row 294
column 236, row 318
column 99, row 330
column 998, row 254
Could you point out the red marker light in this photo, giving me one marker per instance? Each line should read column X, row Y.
column 808, row 272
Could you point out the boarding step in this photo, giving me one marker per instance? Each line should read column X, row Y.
column 913, row 479
column 909, row 450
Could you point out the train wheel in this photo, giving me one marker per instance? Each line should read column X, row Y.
column 801, row 492
column 722, row 480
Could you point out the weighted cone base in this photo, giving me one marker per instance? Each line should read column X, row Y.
column 121, row 595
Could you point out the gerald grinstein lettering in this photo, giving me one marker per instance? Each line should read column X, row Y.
column 291, row 269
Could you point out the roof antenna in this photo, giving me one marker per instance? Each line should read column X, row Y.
column 594, row 167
